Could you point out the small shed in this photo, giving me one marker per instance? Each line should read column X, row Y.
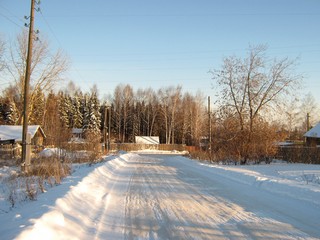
column 14, row 132
column 313, row 136
column 77, row 135
column 147, row 139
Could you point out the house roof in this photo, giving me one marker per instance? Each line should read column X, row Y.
column 147, row 139
column 77, row 130
column 313, row 132
column 15, row 132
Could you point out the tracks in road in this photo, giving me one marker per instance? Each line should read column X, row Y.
column 150, row 197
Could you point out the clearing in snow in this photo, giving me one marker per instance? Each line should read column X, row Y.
column 136, row 196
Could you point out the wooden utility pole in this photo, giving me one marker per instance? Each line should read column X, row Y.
column 308, row 121
column 24, row 157
column 109, row 130
column 105, row 129
column 209, row 117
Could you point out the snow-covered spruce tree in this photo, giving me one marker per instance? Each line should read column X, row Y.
column 85, row 110
column 9, row 112
column 92, row 115
column 64, row 109
column 77, row 115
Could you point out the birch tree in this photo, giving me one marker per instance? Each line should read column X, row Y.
column 2, row 52
column 46, row 68
column 309, row 106
column 169, row 99
column 251, row 85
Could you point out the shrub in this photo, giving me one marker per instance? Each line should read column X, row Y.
column 48, row 168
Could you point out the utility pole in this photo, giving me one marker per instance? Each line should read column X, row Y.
column 105, row 128
column 109, row 130
column 209, row 117
column 24, row 157
column 308, row 121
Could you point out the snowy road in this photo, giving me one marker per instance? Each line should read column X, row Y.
column 171, row 197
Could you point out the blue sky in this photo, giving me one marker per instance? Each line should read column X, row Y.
column 169, row 42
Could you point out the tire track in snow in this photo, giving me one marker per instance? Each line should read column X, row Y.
column 161, row 206
column 165, row 202
column 136, row 197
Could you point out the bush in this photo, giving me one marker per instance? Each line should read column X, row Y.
column 309, row 155
column 50, row 169
column 199, row 155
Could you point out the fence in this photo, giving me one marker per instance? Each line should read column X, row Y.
column 136, row 147
column 310, row 155
column 10, row 151
column 83, row 146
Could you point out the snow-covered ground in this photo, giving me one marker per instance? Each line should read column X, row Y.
column 144, row 196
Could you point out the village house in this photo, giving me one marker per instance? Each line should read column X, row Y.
column 77, row 135
column 147, row 140
column 11, row 139
column 313, row 136
column 14, row 133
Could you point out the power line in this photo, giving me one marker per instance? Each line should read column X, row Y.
column 184, row 15
column 60, row 45
column 6, row 17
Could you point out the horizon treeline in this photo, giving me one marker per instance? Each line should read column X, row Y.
column 174, row 116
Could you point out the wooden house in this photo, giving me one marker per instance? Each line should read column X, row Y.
column 147, row 140
column 313, row 136
column 14, row 133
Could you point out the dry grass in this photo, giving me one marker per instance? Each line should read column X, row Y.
column 50, row 169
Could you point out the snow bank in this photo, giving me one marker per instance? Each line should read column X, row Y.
column 72, row 217
column 50, row 152
column 300, row 181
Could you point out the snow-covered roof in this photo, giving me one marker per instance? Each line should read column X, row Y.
column 147, row 140
column 15, row 131
column 77, row 130
column 313, row 132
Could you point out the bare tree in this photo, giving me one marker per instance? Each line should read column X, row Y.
column 152, row 110
column 291, row 118
column 197, row 120
column 169, row 99
column 252, row 85
column 308, row 106
column 123, row 102
column 46, row 69
column 117, row 106
column 127, row 99
column 2, row 52
column 191, row 119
